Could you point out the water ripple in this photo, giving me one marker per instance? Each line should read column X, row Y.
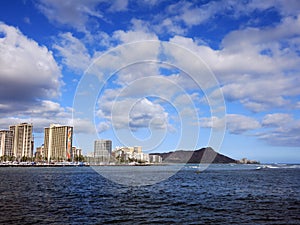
column 81, row 196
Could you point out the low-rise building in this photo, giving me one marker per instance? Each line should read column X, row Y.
column 130, row 154
column 40, row 153
column 155, row 159
column 247, row 161
column 142, row 157
column 76, row 154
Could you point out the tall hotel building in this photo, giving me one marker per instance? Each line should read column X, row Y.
column 58, row 142
column 6, row 143
column 22, row 140
column 102, row 150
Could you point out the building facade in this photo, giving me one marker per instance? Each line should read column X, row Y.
column 141, row 157
column 130, row 150
column 131, row 154
column 40, row 153
column 155, row 159
column 137, row 149
column 58, row 142
column 75, row 153
column 6, row 143
column 22, row 140
column 102, row 150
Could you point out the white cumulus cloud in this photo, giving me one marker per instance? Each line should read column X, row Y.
column 28, row 71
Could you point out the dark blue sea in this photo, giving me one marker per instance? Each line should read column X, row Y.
column 221, row 194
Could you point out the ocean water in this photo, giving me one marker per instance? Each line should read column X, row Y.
column 221, row 194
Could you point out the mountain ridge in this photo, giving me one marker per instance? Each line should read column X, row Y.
column 202, row 155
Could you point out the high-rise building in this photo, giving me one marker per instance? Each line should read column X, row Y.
column 58, row 142
column 102, row 150
column 6, row 143
column 22, row 140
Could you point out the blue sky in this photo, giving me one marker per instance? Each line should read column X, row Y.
column 162, row 74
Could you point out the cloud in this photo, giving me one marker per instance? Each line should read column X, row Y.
column 133, row 35
column 133, row 114
column 257, row 51
column 261, row 38
column 238, row 124
column 277, row 129
column 168, row 25
column 235, row 123
column 211, row 122
column 72, row 13
column 41, row 114
column 81, row 125
column 128, row 103
column 280, row 5
column 73, row 52
column 257, row 67
column 29, row 79
column 81, row 15
column 287, row 138
column 273, row 74
column 46, row 113
column 28, row 72
column 124, row 58
column 174, row 18
column 76, row 56
column 145, row 113
column 281, row 129
column 277, row 120
column 191, row 15
column 185, row 99
column 118, row 5
column 103, row 126
column 77, row 53
column 259, row 94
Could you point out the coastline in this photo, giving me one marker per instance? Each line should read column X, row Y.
column 43, row 165
column 110, row 165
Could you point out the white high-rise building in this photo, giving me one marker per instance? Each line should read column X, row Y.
column 22, row 140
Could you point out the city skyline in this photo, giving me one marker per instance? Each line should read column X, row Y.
column 58, row 60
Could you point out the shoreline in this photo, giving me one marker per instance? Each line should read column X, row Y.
column 91, row 165
column 48, row 165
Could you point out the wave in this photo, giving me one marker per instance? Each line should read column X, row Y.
column 279, row 166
